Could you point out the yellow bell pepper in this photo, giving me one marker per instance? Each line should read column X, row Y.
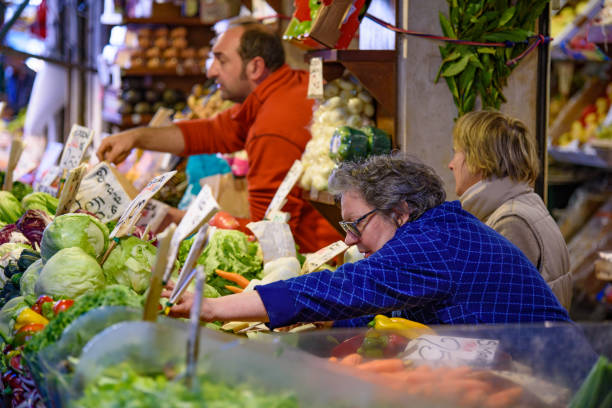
column 404, row 327
column 29, row 316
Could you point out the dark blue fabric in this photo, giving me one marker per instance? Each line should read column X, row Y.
column 444, row 268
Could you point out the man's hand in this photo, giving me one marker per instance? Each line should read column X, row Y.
column 182, row 308
column 117, row 147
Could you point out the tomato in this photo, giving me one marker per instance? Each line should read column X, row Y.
column 62, row 305
column 37, row 307
column 224, row 220
column 26, row 332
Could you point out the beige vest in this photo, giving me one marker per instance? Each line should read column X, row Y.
column 519, row 214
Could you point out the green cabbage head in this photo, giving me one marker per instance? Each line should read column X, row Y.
column 130, row 264
column 70, row 273
column 74, row 230
column 29, row 278
column 40, row 201
column 10, row 208
column 7, row 314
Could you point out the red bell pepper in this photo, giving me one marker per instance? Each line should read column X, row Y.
column 62, row 305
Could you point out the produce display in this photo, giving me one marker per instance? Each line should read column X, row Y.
column 139, row 98
column 203, row 102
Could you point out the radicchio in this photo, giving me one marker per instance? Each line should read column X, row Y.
column 32, row 224
column 10, row 233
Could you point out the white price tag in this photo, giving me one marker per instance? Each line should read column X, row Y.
column 49, row 182
column 132, row 213
column 275, row 239
column 102, row 194
column 79, row 139
column 153, row 215
column 315, row 81
column 451, row 351
column 291, row 178
column 199, row 242
column 69, row 191
column 323, row 255
column 200, row 211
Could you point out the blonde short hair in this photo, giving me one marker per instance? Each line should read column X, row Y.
column 497, row 145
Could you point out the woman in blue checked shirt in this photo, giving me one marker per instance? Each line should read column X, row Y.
column 425, row 259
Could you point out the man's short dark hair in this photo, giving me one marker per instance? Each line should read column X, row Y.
column 258, row 41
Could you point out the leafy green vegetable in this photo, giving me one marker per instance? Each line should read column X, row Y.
column 20, row 190
column 40, row 201
column 228, row 250
column 596, row 390
column 130, row 263
column 8, row 313
column 74, row 230
column 10, row 208
column 29, row 278
column 122, row 386
column 114, row 295
column 70, row 273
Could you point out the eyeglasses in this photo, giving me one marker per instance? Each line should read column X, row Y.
column 351, row 226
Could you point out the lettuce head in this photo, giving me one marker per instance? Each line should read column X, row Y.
column 130, row 263
column 70, row 273
column 28, row 280
column 10, row 208
column 74, row 230
column 40, row 201
column 8, row 313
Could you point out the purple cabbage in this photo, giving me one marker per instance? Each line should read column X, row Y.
column 10, row 233
column 32, row 224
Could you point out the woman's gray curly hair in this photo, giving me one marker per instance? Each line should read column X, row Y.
column 385, row 181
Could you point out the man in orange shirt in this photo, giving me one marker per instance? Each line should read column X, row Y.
column 270, row 121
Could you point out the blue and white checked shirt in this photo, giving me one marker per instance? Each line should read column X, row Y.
column 444, row 268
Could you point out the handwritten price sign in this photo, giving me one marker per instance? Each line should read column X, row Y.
column 315, row 82
column 452, row 351
column 79, row 139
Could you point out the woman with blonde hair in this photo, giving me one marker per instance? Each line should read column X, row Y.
column 495, row 165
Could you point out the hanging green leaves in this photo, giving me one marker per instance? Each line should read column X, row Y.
column 472, row 71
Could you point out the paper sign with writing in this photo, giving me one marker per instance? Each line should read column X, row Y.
column 49, row 182
column 315, row 81
column 199, row 242
column 69, row 191
column 132, row 213
column 291, row 178
column 275, row 239
column 279, row 216
column 451, row 351
column 79, row 139
column 14, row 155
column 323, row 255
column 153, row 214
column 200, row 211
column 101, row 194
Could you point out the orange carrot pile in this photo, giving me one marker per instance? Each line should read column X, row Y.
column 233, row 277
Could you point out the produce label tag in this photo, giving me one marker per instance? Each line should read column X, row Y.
column 186, row 275
column 279, row 216
column 69, row 191
column 50, row 181
column 79, row 139
column 102, row 194
column 153, row 214
column 451, row 351
column 275, row 239
column 323, row 255
column 14, row 155
column 200, row 211
column 132, row 213
column 315, row 81
column 291, row 178
column 161, row 118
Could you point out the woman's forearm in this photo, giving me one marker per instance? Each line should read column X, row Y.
column 245, row 307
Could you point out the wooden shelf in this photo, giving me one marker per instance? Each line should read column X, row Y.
column 178, row 71
column 375, row 69
column 127, row 121
column 325, row 204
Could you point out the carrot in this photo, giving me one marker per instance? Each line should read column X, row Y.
column 388, row 365
column 233, row 277
column 333, row 359
column 414, row 377
column 455, row 373
column 472, row 398
column 504, row 398
column 352, row 359
column 234, row 289
column 454, row 388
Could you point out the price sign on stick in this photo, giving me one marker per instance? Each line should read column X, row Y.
column 69, row 191
column 102, row 194
column 152, row 301
column 153, row 214
column 78, row 140
column 199, row 212
column 315, row 80
column 132, row 213
column 323, row 255
column 48, row 181
column 291, row 178
column 275, row 239
column 15, row 154
column 195, row 251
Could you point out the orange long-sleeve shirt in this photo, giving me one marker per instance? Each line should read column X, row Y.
column 272, row 125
